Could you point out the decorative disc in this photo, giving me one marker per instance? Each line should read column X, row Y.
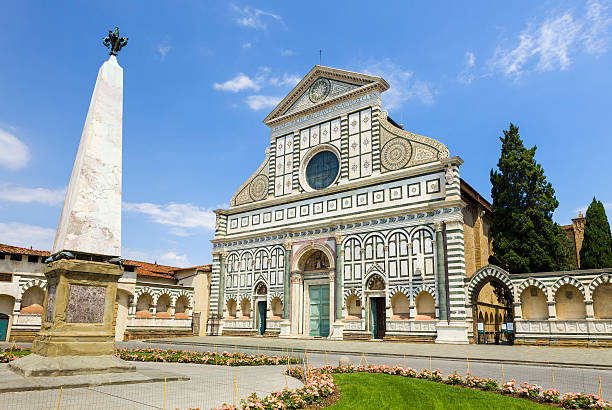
column 258, row 189
column 396, row 153
column 319, row 90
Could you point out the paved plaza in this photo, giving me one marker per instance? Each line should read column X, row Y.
column 208, row 386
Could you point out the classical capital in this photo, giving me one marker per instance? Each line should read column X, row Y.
column 438, row 226
column 332, row 276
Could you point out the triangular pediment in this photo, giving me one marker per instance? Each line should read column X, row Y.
column 323, row 86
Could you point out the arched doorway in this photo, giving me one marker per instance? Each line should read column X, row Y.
column 491, row 298
column 4, row 321
column 261, row 292
column 375, row 289
column 312, row 290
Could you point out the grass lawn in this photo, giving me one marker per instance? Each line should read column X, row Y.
column 382, row 391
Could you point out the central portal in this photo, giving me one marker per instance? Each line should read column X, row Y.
column 319, row 310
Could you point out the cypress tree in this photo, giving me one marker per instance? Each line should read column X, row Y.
column 525, row 238
column 596, row 251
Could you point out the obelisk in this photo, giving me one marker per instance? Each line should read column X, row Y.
column 77, row 331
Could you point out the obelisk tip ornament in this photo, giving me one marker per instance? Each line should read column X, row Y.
column 114, row 42
column 91, row 217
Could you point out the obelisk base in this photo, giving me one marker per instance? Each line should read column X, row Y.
column 77, row 334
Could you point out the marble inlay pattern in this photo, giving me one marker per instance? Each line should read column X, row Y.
column 86, row 304
column 50, row 303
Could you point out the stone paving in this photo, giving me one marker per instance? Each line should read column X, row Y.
column 600, row 358
column 209, row 386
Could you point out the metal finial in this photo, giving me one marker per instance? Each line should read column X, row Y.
column 114, row 42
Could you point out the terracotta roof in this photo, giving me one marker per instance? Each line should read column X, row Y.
column 22, row 251
column 207, row 268
column 152, row 269
column 467, row 189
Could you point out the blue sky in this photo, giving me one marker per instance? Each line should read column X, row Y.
column 199, row 77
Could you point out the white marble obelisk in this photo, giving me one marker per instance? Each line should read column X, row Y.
column 91, row 217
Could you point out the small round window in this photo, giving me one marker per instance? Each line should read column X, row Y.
column 322, row 170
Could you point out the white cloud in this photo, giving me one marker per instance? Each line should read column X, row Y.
column 550, row 45
column 174, row 259
column 163, row 49
column 14, row 154
column 404, row 87
column 596, row 33
column 15, row 193
column 247, row 45
column 260, row 102
column 607, row 207
column 466, row 76
column 238, row 83
column 24, row 235
column 288, row 79
column 287, row 53
column 135, row 255
column 180, row 232
column 254, row 18
column 176, row 215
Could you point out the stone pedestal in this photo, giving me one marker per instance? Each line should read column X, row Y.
column 285, row 330
column 455, row 332
column 337, row 330
column 77, row 333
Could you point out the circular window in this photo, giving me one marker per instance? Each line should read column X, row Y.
column 322, row 170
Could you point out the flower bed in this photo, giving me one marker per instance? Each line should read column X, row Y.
column 13, row 353
column 320, row 385
column 186, row 356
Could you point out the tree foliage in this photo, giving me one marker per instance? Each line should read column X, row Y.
column 525, row 239
column 596, row 249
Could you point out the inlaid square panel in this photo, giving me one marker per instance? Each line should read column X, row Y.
column 267, row 217
column 366, row 142
column 353, row 145
column 255, row 219
column 304, row 210
column 362, row 199
column 395, row 193
column 304, row 139
column 280, row 146
column 244, row 221
column 314, row 135
column 353, row 123
column 234, row 223
column 291, row 212
column 347, row 202
column 86, row 304
column 366, row 164
column 414, row 190
column 317, row 208
column 378, row 196
column 366, row 119
column 354, row 167
column 278, row 215
column 332, row 205
column 433, row 186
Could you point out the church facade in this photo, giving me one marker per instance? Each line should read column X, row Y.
column 351, row 227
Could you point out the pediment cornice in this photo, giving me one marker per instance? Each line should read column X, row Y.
column 365, row 83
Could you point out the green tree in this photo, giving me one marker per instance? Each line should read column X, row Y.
column 525, row 239
column 596, row 249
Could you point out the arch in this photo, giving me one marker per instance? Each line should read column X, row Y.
column 260, row 288
column 276, row 307
column 349, row 292
column 262, row 257
column 567, row 280
column 350, row 237
column 377, row 242
column 32, row 301
column 34, row 282
column 163, row 306
column 245, row 308
column 375, row 281
column 425, row 306
column 603, row 278
column 569, row 302
column 353, row 307
column 246, row 261
column 423, row 287
column 532, row 282
column 394, row 289
column 534, row 306
column 413, row 233
column 143, row 303
column 400, row 306
column 181, row 307
column 305, row 252
column 231, row 308
column 483, row 275
column 602, row 301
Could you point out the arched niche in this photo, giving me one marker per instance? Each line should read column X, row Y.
column 400, row 307
column 353, row 307
column 602, row 301
column 231, row 307
column 143, row 304
column 569, row 303
column 533, row 304
column 425, row 306
column 314, row 257
column 276, row 306
column 32, row 301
